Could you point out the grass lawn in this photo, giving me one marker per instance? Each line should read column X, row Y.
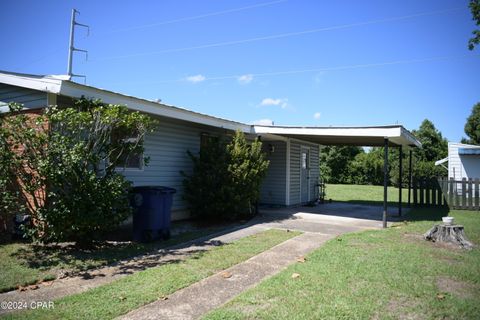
column 380, row 274
column 22, row 263
column 364, row 194
column 121, row 296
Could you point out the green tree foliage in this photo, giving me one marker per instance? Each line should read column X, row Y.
column 10, row 203
column 335, row 163
column 367, row 168
column 434, row 145
column 350, row 165
column 472, row 127
column 65, row 161
column 475, row 9
column 226, row 178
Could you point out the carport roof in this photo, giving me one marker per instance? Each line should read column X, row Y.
column 397, row 135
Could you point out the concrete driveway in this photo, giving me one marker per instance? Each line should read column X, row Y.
column 336, row 218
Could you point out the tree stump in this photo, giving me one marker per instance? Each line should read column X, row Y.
column 448, row 233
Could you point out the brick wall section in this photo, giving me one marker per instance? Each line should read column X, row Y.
column 30, row 201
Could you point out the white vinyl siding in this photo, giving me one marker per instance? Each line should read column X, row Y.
column 273, row 187
column 462, row 166
column 167, row 149
column 294, row 173
column 31, row 99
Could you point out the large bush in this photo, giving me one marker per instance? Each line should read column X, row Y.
column 226, row 178
column 65, row 162
column 10, row 203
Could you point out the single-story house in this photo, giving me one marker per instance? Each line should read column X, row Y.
column 463, row 161
column 293, row 151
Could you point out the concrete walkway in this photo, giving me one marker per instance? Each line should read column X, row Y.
column 196, row 300
column 201, row 297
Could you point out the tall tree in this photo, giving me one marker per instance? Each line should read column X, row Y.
column 472, row 127
column 475, row 8
column 434, row 145
column 335, row 161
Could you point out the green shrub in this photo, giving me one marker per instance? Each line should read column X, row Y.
column 226, row 178
column 65, row 160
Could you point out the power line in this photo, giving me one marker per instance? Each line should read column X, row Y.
column 282, row 35
column 201, row 16
column 323, row 69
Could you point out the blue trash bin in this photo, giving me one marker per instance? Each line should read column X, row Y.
column 152, row 211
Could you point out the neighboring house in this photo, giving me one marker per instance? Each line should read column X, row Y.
column 463, row 161
column 293, row 151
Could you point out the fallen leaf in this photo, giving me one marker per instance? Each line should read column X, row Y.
column 226, row 274
column 440, row 296
column 47, row 283
column 122, row 298
column 295, row 275
column 20, row 288
column 301, row 259
column 163, row 298
column 33, row 287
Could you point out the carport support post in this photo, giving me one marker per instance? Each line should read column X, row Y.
column 400, row 181
column 385, row 183
column 409, row 175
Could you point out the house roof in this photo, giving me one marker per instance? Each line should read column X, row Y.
column 361, row 136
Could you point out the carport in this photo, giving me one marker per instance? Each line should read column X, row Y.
column 373, row 136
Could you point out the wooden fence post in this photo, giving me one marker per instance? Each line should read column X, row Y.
column 433, row 185
column 420, row 189
column 451, row 202
column 464, row 193
column 414, row 190
column 470, row 194
column 477, row 194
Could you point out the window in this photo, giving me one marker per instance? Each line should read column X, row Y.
column 305, row 160
column 132, row 160
column 206, row 139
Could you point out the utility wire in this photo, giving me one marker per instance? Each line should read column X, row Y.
column 324, row 69
column 201, row 16
column 281, row 35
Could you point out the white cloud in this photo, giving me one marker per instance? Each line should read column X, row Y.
column 196, row 79
column 245, row 79
column 317, row 115
column 318, row 78
column 263, row 122
column 282, row 103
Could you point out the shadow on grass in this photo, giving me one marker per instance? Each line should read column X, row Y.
column 72, row 260
column 427, row 213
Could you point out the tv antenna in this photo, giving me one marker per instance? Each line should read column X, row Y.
column 72, row 48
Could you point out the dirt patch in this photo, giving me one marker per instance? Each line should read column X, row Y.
column 401, row 307
column 414, row 236
column 418, row 238
column 458, row 288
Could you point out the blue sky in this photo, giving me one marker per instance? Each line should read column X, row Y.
column 296, row 62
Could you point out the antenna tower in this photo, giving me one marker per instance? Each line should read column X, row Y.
column 72, row 48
